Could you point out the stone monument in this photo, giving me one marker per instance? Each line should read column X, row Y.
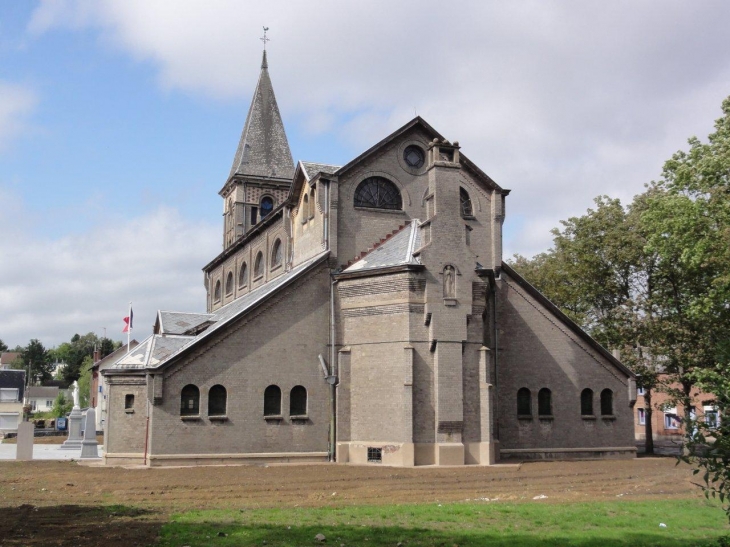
column 74, row 424
column 89, row 444
column 24, row 448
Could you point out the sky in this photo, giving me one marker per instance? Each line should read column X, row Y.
column 119, row 120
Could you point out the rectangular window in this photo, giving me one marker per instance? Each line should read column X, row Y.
column 129, row 401
column 8, row 395
column 712, row 417
column 254, row 215
column 671, row 420
column 375, row 455
column 9, row 421
column 642, row 416
column 49, row 403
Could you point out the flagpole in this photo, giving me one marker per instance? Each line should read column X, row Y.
column 129, row 330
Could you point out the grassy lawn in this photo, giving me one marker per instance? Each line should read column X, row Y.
column 596, row 524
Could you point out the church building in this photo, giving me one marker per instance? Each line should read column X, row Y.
column 362, row 313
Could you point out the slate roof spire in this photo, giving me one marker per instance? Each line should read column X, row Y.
column 263, row 150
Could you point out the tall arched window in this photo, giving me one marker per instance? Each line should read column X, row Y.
column 229, row 283
column 586, row 402
column 243, row 275
column 266, row 206
column 298, row 401
column 466, row 208
column 276, row 254
column 607, row 402
column 305, row 208
column 524, row 402
column 544, row 402
column 272, row 401
column 217, row 400
column 217, row 291
column 312, row 203
column 258, row 265
column 378, row 193
column 190, row 401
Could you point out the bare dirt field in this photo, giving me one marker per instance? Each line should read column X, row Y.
column 61, row 503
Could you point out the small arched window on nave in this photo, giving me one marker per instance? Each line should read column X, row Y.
column 266, row 206
column 258, row 265
column 243, row 275
column 229, row 283
column 544, row 402
column 277, row 254
column 606, row 402
column 190, row 401
column 272, row 401
column 217, row 401
column 586, row 402
column 217, row 291
column 524, row 402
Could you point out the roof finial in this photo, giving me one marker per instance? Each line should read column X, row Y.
column 264, row 61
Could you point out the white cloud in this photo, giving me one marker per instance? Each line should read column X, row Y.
column 55, row 288
column 17, row 102
column 559, row 101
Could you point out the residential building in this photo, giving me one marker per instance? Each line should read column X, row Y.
column 12, row 390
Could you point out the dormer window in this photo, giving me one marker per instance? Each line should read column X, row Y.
column 266, row 206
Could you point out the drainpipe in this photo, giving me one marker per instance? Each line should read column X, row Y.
column 496, row 356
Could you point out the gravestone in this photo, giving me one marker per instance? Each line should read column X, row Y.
column 89, row 444
column 24, row 450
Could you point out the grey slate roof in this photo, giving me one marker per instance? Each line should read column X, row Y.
column 173, row 322
column 311, row 169
column 263, row 149
column 396, row 251
column 43, row 391
column 156, row 350
column 13, row 379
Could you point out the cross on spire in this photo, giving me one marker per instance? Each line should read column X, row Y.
column 265, row 39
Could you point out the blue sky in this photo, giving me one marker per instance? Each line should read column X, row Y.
column 119, row 121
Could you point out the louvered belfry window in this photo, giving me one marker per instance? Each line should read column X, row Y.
column 378, row 193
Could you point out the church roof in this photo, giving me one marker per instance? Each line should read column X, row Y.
column 175, row 322
column 159, row 349
column 396, row 250
column 311, row 169
column 263, row 149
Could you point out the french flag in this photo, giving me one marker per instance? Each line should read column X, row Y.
column 128, row 321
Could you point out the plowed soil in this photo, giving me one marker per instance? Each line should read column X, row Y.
column 63, row 503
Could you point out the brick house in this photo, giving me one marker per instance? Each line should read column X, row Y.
column 363, row 313
column 666, row 418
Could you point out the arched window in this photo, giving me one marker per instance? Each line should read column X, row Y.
column 312, row 203
column 586, row 402
column 190, row 401
column 243, row 275
column 466, row 208
column 524, row 402
column 272, row 401
column 378, row 193
column 298, row 401
column 276, row 254
column 258, row 265
column 544, row 402
column 217, row 291
column 305, row 209
column 217, row 399
column 607, row 402
column 229, row 283
column 266, row 206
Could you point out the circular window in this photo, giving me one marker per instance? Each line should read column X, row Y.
column 414, row 156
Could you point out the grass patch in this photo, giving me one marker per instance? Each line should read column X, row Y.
column 598, row 524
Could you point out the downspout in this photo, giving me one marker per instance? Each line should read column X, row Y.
column 147, row 431
column 332, row 380
column 496, row 356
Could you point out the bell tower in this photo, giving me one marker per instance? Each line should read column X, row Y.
column 262, row 169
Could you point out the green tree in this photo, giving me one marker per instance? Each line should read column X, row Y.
column 3, row 346
column 61, row 406
column 85, row 382
column 74, row 352
column 34, row 359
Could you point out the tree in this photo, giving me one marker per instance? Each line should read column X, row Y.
column 34, row 359
column 3, row 346
column 61, row 407
column 74, row 352
column 85, row 382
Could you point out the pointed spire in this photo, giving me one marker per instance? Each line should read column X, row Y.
column 263, row 149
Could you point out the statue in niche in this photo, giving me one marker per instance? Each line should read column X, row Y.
column 449, row 282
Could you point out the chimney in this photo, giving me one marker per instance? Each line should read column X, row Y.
column 97, row 355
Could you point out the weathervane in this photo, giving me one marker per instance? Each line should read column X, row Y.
column 265, row 39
